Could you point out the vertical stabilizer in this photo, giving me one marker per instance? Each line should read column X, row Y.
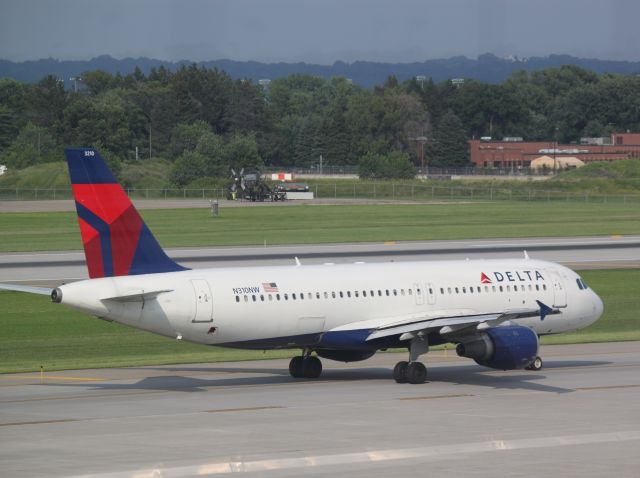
column 116, row 240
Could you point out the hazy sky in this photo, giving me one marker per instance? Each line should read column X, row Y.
column 317, row 31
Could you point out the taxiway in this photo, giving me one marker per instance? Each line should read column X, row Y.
column 579, row 416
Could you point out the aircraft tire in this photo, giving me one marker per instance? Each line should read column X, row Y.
column 416, row 373
column 535, row 365
column 296, row 367
column 400, row 372
column 311, row 367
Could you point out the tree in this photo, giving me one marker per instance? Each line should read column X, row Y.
column 190, row 166
column 212, row 149
column 242, row 152
column 394, row 165
column 187, row 135
column 33, row 145
column 450, row 147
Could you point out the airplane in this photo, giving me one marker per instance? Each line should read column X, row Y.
column 493, row 310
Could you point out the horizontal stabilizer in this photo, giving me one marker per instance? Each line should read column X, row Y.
column 26, row 288
column 138, row 296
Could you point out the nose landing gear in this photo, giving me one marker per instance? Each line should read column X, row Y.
column 535, row 365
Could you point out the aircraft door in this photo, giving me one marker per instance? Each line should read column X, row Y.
column 431, row 294
column 559, row 292
column 419, row 293
column 203, row 311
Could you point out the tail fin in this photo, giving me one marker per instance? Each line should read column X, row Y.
column 116, row 240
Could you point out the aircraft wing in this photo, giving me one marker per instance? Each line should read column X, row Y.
column 26, row 288
column 453, row 321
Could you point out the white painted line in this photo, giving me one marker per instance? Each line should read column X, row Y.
column 434, row 453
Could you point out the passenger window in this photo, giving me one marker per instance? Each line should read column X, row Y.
column 262, row 297
column 544, row 286
column 341, row 295
column 410, row 291
column 493, row 288
column 356, row 293
column 449, row 290
column 537, row 287
column 500, row 288
column 246, row 298
column 530, row 288
column 395, row 292
column 333, row 294
column 237, row 298
column 464, row 290
column 302, row 296
column 387, row 291
column 430, row 291
column 277, row 296
column 486, row 288
column 418, row 291
column 270, row 297
column 364, row 293
column 441, row 291
column 515, row 288
column 286, row 297
column 293, row 296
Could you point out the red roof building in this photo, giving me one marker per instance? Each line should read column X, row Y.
column 519, row 154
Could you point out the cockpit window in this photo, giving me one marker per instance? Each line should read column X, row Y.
column 581, row 284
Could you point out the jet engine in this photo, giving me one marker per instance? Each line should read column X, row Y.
column 504, row 348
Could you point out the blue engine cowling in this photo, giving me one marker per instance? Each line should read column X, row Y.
column 504, row 348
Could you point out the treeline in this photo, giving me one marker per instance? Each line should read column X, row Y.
column 205, row 122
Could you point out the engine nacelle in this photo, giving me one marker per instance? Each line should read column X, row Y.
column 504, row 348
column 345, row 355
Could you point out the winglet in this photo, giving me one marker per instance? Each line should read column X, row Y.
column 544, row 309
column 526, row 256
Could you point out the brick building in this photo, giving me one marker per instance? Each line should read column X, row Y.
column 514, row 153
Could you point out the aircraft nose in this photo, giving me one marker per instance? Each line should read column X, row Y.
column 598, row 307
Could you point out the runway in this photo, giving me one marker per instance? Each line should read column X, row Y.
column 52, row 268
column 579, row 416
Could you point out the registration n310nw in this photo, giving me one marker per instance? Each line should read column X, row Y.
column 494, row 310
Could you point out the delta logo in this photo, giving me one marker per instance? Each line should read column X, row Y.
column 511, row 276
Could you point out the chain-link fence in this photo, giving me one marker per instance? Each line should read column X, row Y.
column 358, row 190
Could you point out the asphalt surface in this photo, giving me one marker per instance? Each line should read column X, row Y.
column 52, row 268
column 577, row 417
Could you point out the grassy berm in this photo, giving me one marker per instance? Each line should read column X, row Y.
column 37, row 333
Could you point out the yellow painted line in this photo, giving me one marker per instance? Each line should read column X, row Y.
column 40, row 422
column 390, row 243
column 56, row 377
column 616, row 236
column 607, row 387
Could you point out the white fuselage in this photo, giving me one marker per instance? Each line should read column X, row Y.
column 269, row 307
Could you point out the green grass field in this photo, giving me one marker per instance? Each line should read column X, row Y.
column 306, row 224
column 37, row 333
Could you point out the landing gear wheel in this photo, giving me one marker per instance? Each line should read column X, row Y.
column 400, row 372
column 416, row 373
column 535, row 365
column 311, row 367
column 295, row 367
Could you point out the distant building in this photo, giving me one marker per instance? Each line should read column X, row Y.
column 488, row 153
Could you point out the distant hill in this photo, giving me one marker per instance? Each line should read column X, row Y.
column 487, row 68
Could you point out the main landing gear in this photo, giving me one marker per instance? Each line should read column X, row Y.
column 305, row 366
column 412, row 371
column 535, row 365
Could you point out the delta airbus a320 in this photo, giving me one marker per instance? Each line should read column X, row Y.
column 494, row 310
